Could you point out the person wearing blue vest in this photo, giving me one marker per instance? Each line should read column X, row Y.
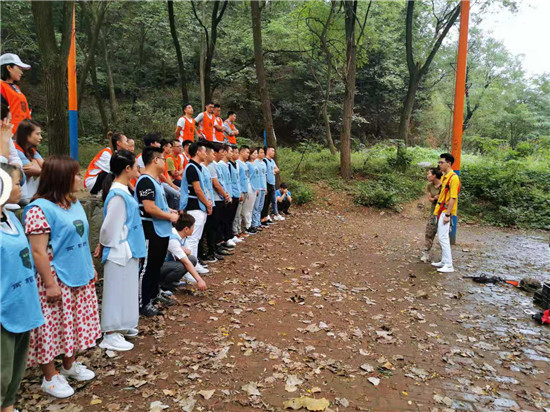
column 284, row 199
column 240, row 159
column 195, row 197
column 236, row 194
column 248, row 205
column 259, row 220
column 272, row 170
column 58, row 232
column 121, row 246
column 255, row 182
column 20, row 309
column 157, row 219
column 224, row 177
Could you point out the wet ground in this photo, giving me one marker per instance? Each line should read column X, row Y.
column 331, row 310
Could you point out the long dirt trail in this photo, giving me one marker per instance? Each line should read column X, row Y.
column 333, row 303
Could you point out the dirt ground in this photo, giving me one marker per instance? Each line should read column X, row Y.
column 333, row 304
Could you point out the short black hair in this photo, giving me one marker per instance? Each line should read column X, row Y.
column 5, row 110
column 209, row 103
column 449, row 158
column 216, row 105
column 218, row 147
column 186, row 143
column 230, row 112
column 243, row 147
column 436, row 172
column 194, row 148
column 269, row 147
column 226, row 146
column 4, row 73
column 283, row 186
column 165, row 142
column 151, row 138
column 149, row 155
column 184, row 220
column 174, row 141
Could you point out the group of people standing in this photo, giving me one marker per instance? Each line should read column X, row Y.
column 168, row 214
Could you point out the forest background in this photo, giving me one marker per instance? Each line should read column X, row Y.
column 138, row 62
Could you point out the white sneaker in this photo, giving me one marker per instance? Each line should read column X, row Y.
column 58, row 387
column 130, row 333
column 438, row 264
column 201, row 269
column 269, row 218
column 78, row 372
column 230, row 243
column 235, row 239
column 446, row 269
column 425, row 256
column 189, row 279
column 281, row 217
column 115, row 341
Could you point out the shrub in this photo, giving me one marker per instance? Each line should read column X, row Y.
column 301, row 192
column 373, row 194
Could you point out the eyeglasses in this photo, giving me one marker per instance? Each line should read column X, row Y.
column 441, row 162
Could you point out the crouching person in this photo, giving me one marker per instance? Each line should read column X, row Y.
column 284, row 199
column 180, row 264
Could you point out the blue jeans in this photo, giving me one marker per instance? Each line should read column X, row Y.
column 258, row 206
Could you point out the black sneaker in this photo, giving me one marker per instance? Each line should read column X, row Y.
column 251, row 231
column 287, row 213
column 226, row 246
column 164, row 300
column 264, row 224
column 210, row 259
column 269, row 223
column 149, row 310
column 202, row 261
column 218, row 256
column 223, row 252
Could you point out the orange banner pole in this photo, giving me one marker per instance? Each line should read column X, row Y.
column 73, row 105
column 460, row 89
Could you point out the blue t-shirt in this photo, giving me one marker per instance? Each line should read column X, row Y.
column 278, row 193
column 24, row 159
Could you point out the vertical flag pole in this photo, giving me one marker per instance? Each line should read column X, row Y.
column 73, row 105
column 460, row 88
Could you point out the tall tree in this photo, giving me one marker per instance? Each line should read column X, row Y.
column 210, row 38
column 260, row 71
column 54, row 58
column 181, row 69
column 417, row 70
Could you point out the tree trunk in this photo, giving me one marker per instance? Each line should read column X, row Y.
column 179, row 56
column 54, row 65
column 260, row 72
column 93, row 37
column 406, row 113
column 350, row 8
column 98, row 99
column 112, row 95
column 326, row 118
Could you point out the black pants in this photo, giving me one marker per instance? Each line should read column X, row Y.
column 212, row 228
column 267, row 203
column 229, row 217
column 283, row 206
column 149, row 274
column 172, row 272
column 98, row 185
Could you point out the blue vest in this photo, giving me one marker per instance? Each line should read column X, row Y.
column 20, row 309
column 254, row 175
column 235, row 182
column 223, row 176
column 136, row 237
column 72, row 258
column 262, row 167
column 243, row 176
column 184, row 191
column 209, row 193
column 169, row 256
column 270, row 163
column 163, row 227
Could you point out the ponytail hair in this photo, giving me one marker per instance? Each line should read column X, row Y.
column 114, row 138
column 119, row 161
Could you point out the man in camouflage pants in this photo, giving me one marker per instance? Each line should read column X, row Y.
column 432, row 189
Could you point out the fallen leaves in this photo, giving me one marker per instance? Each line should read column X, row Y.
column 311, row 404
column 251, row 389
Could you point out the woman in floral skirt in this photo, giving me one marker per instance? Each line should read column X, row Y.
column 58, row 232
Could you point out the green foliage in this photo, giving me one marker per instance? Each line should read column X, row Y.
column 302, row 193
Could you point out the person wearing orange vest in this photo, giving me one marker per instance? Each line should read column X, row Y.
column 230, row 131
column 174, row 162
column 12, row 68
column 445, row 209
column 184, row 156
column 171, row 190
column 186, row 128
column 206, row 122
column 100, row 165
column 218, row 124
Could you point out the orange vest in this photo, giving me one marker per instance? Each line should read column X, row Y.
column 17, row 147
column 231, row 138
column 92, row 169
column 17, row 102
column 188, row 132
column 219, row 135
column 177, row 162
column 185, row 161
column 207, row 127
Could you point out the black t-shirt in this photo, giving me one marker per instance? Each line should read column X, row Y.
column 145, row 190
column 192, row 176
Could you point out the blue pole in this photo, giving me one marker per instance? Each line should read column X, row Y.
column 73, row 133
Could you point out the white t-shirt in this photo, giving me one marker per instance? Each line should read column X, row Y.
column 114, row 232
column 175, row 246
column 101, row 164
